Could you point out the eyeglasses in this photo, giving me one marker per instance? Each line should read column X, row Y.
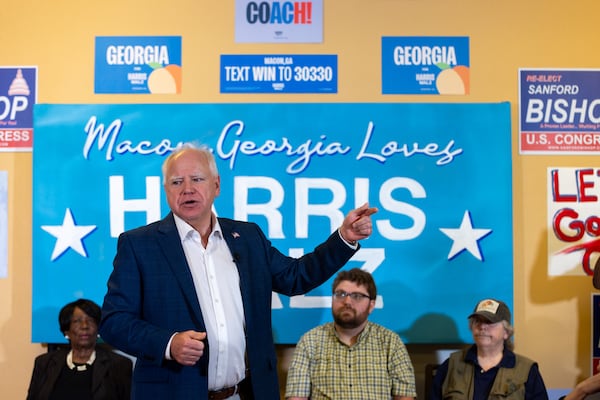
column 355, row 296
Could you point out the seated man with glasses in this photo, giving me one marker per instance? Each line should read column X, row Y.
column 351, row 357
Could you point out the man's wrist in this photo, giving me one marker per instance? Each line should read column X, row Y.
column 350, row 242
column 168, row 355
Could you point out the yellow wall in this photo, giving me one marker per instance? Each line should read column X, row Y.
column 551, row 316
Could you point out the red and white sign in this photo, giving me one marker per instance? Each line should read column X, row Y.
column 559, row 111
column 18, row 89
column 573, row 220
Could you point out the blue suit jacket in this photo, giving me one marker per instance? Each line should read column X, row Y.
column 151, row 295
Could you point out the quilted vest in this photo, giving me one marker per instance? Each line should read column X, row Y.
column 508, row 385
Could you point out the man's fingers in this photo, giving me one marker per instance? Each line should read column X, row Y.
column 369, row 211
column 198, row 335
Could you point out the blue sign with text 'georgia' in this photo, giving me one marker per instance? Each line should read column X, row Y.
column 138, row 64
column 425, row 65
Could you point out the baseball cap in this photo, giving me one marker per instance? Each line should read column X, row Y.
column 492, row 310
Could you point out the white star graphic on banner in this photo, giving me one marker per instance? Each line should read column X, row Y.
column 68, row 235
column 466, row 238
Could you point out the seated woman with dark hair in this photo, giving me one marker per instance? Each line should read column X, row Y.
column 83, row 371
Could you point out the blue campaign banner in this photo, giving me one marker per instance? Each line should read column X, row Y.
column 18, row 94
column 138, row 64
column 438, row 65
column 440, row 175
column 558, row 111
column 279, row 73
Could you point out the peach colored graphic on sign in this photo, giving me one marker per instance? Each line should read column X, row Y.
column 452, row 80
column 165, row 80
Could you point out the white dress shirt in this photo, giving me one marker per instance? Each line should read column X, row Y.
column 217, row 284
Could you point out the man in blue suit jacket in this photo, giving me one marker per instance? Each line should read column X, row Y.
column 190, row 295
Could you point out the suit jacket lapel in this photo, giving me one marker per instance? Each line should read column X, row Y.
column 170, row 242
column 233, row 239
column 235, row 243
column 57, row 361
column 99, row 371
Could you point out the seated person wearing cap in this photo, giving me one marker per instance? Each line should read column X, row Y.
column 489, row 369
